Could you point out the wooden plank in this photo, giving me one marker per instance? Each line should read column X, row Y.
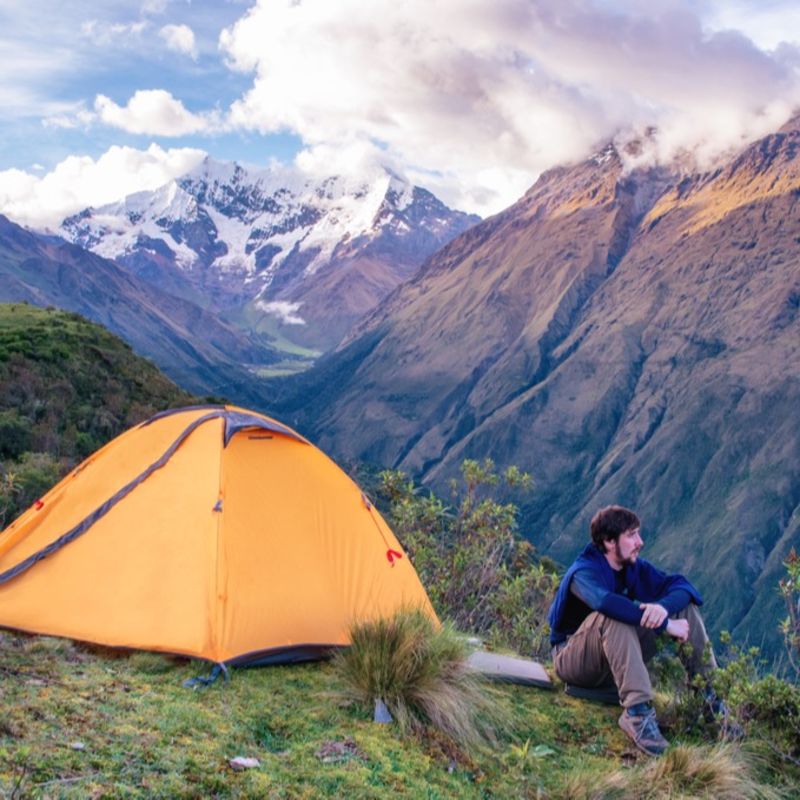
column 510, row 668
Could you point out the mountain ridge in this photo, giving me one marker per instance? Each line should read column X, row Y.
column 626, row 335
column 312, row 254
column 190, row 344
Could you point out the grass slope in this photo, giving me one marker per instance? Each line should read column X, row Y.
column 81, row 722
column 78, row 723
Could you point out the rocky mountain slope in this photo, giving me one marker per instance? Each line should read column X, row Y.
column 627, row 336
column 298, row 257
column 190, row 344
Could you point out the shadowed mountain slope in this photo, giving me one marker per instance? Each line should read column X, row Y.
column 191, row 345
column 628, row 337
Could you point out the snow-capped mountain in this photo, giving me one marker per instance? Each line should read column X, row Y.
column 277, row 249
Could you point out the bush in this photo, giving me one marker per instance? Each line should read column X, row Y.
column 420, row 672
column 790, row 627
column 25, row 481
column 766, row 706
column 477, row 570
column 15, row 434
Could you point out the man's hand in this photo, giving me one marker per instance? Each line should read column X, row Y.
column 653, row 615
column 679, row 628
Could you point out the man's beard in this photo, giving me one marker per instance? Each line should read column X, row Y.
column 631, row 559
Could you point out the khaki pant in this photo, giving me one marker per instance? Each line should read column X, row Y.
column 603, row 650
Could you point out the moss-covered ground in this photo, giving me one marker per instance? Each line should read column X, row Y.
column 83, row 723
column 78, row 722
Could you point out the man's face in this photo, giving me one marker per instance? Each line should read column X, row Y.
column 626, row 549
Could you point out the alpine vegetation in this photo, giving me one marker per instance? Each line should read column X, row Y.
column 420, row 672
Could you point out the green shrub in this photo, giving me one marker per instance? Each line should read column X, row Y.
column 766, row 706
column 15, row 434
column 477, row 570
column 9, row 492
column 420, row 672
column 790, row 627
column 25, row 481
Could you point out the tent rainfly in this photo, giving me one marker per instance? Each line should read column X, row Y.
column 209, row 531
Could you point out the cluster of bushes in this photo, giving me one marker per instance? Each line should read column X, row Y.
column 484, row 579
column 479, row 573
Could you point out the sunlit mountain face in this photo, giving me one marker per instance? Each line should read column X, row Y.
column 628, row 336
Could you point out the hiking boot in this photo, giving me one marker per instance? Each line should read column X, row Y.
column 642, row 727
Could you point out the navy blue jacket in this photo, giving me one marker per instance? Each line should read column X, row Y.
column 644, row 583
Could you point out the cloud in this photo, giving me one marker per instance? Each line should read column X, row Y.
column 154, row 7
column 74, row 118
column 24, row 89
column 481, row 97
column 767, row 24
column 80, row 181
column 359, row 157
column 179, row 38
column 106, row 33
column 154, row 112
column 285, row 311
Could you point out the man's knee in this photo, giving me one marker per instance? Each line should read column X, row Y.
column 691, row 613
column 615, row 627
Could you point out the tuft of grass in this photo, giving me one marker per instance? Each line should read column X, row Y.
column 153, row 663
column 420, row 672
column 723, row 772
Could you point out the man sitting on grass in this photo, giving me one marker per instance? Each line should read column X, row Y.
column 608, row 609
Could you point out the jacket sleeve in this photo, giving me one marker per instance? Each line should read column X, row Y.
column 674, row 592
column 587, row 587
column 675, row 601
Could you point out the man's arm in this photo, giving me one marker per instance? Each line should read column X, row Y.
column 673, row 591
column 658, row 611
column 586, row 587
column 675, row 601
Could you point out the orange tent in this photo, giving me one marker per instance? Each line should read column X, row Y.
column 209, row 531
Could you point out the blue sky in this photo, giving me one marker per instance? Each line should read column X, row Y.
column 65, row 53
column 473, row 98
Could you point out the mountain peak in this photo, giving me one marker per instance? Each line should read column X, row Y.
column 792, row 125
column 259, row 236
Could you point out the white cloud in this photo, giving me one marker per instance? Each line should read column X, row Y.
column 179, row 38
column 74, row 118
column 154, row 112
column 285, row 311
column 359, row 157
column 104, row 34
column 154, row 7
column 23, row 88
column 80, row 181
column 766, row 23
column 487, row 95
